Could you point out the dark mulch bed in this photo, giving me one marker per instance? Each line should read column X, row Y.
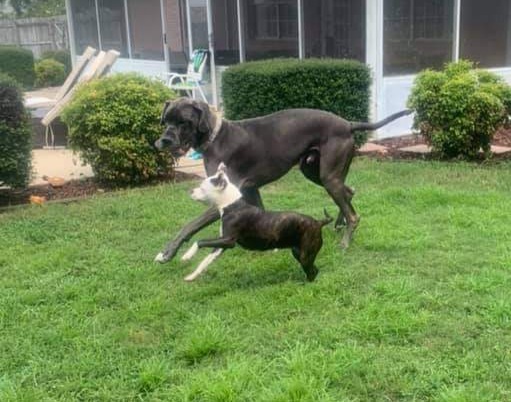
column 502, row 138
column 71, row 191
column 78, row 189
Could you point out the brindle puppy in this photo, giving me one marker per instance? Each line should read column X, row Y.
column 255, row 229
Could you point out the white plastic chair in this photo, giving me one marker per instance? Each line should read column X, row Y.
column 193, row 80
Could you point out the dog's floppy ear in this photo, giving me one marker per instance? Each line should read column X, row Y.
column 204, row 115
column 164, row 111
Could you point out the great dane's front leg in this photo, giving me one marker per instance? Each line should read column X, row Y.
column 252, row 196
column 206, row 219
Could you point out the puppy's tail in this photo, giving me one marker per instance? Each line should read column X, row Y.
column 327, row 219
column 361, row 126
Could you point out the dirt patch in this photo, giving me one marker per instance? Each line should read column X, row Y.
column 70, row 191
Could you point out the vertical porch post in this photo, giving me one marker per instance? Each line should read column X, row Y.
column 301, row 37
column 211, row 43
column 456, row 31
column 98, row 25
column 241, row 32
column 189, row 28
column 71, row 30
column 166, row 55
column 374, row 53
column 128, row 34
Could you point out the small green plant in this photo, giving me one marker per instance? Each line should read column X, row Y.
column 114, row 122
column 152, row 375
column 15, row 138
column 62, row 56
column 206, row 339
column 459, row 109
column 262, row 87
column 18, row 63
column 49, row 73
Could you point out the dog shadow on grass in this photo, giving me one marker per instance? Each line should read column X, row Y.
column 253, row 275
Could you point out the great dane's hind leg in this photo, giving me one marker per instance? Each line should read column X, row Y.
column 335, row 164
column 310, row 167
column 206, row 219
column 340, row 222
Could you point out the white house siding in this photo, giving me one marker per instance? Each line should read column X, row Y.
column 413, row 41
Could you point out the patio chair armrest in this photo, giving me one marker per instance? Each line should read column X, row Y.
column 176, row 78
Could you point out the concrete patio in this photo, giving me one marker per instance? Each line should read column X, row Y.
column 65, row 164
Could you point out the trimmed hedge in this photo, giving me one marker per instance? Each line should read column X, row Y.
column 62, row 56
column 49, row 73
column 18, row 63
column 15, row 135
column 114, row 122
column 258, row 88
column 459, row 109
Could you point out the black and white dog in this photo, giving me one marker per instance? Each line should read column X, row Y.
column 253, row 228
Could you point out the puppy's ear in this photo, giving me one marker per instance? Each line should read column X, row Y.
column 204, row 116
column 219, row 180
column 221, row 168
column 164, row 111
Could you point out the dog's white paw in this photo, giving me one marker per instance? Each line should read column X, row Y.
column 190, row 278
column 159, row 258
column 190, row 253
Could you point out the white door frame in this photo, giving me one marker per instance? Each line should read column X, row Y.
column 163, row 13
column 71, row 30
column 374, row 53
column 211, row 45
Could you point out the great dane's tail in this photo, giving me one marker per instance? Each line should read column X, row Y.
column 358, row 126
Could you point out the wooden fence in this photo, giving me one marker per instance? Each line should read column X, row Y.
column 36, row 34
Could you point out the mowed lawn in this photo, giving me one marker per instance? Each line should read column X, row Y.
column 417, row 309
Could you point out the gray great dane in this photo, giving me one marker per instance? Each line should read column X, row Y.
column 261, row 150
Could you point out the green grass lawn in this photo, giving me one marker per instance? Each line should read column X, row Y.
column 418, row 308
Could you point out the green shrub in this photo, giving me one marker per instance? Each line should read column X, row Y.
column 114, row 122
column 262, row 87
column 62, row 56
column 459, row 109
column 15, row 136
column 49, row 73
column 18, row 63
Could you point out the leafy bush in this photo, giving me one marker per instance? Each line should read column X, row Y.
column 49, row 73
column 15, row 136
column 262, row 87
column 18, row 63
column 62, row 56
column 114, row 122
column 459, row 109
